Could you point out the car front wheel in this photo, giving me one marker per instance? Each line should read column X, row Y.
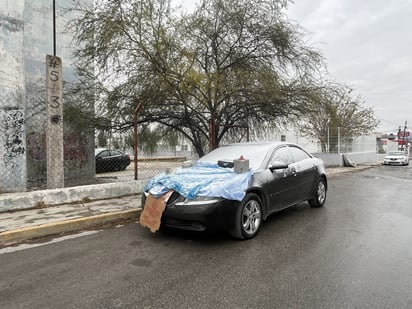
column 320, row 194
column 248, row 217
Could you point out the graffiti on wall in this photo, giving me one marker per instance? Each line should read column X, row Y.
column 13, row 146
column 13, row 134
column 75, row 150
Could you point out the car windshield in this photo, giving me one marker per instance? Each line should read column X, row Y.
column 396, row 153
column 256, row 153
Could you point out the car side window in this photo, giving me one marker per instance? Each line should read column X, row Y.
column 104, row 154
column 298, row 154
column 281, row 154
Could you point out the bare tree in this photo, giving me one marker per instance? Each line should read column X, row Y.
column 332, row 108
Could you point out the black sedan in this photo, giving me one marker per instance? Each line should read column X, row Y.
column 218, row 192
column 109, row 160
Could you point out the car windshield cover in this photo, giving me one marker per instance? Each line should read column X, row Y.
column 255, row 153
column 203, row 179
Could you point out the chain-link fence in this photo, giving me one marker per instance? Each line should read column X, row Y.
column 146, row 168
column 24, row 150
column 23, row 153
column 346, row 144
column 360, row 150
column 113, row 164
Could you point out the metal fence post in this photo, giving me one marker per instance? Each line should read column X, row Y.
column 136, row 112
column 338, row 139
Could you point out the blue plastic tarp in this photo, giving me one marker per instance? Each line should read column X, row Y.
column 203, row 179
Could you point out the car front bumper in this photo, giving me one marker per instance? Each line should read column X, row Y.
column 217, row 214
column 395, row 162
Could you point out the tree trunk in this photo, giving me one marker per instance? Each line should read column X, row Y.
column 212, row 133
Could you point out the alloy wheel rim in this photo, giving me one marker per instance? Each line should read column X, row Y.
column 251, row 217
column 321, row 192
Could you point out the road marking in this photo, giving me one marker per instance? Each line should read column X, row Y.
column 55, row 240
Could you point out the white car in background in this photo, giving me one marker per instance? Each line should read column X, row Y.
column 396, row 158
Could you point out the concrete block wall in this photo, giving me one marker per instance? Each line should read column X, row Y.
column 336, row 159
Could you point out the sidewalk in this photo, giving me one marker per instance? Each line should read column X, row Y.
column 22, row 225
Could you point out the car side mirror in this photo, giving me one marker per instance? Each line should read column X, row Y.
column 278, row 165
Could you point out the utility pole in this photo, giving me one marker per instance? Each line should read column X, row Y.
column 404, row 139
column 54, row 28
column 402, row 143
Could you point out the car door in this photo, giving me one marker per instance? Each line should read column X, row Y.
column 103, row 161
column 304, row 171
column 116, row 160
column 282, row 183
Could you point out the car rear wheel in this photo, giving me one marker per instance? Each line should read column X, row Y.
column 248, row 217
column 320, row 194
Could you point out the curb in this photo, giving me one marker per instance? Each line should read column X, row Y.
column 53, row 197
column 350, row 170
column 27, row 233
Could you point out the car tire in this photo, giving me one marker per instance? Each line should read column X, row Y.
column 320, row 194
column 248, row 217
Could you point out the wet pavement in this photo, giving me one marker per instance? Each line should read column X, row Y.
column 353, row 253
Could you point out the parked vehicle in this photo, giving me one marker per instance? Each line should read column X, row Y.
column 396, row 158
column 211, row 195
column 109, row 160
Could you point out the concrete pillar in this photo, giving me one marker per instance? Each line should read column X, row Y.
column 54, row 133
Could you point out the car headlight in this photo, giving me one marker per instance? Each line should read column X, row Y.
column 200, row 200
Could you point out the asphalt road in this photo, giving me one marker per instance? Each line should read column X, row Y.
column 356, row 252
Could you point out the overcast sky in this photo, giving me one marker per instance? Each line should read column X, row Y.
column 367, row 45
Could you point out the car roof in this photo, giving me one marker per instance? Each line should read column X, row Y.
column 260, row 143
column 99, row 150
